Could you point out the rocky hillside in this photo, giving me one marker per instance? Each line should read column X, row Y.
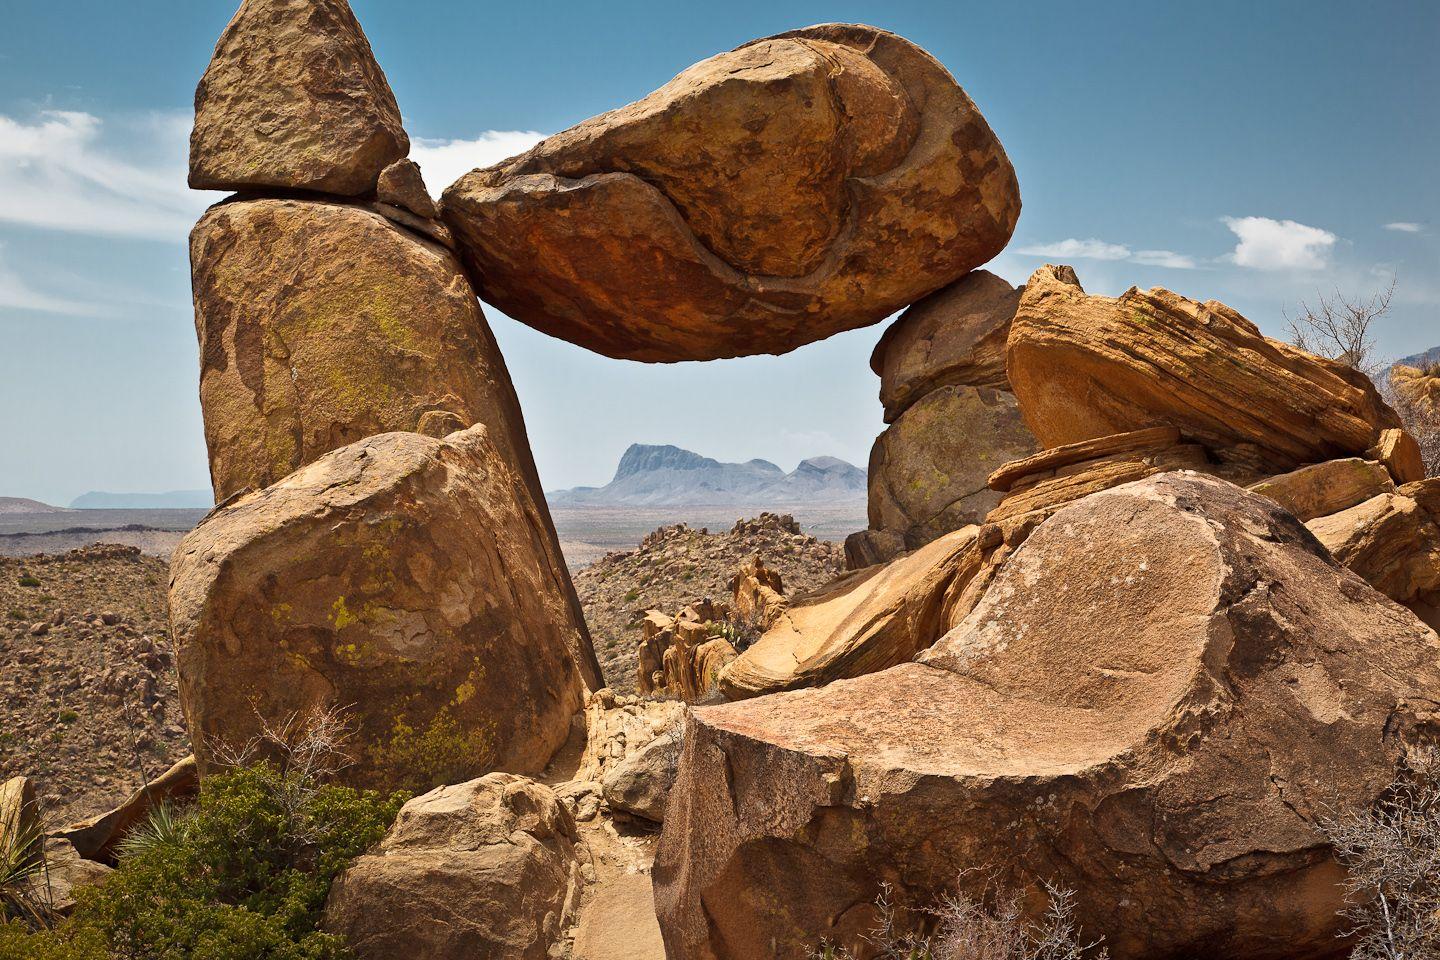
column 678, row 564
column 87, row 680
column 668, row 475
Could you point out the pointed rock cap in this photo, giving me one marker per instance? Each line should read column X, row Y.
column 294, row 99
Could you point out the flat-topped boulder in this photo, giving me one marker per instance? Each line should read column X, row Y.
column 801, row 185
column 865, row 621
column 293, row 99
column 1088, row 366
column 1391, row 539
column 1324, row 488
column 1154, row 704
column 404, row 577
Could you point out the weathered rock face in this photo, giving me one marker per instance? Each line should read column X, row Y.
column 294, row 99
column 1325, row 488
column 866, row 621
column 954, row 336
column 401, row 184
column 928, row 471
column 96, row 839
column 768, row 197
column 487, row 868
column 1392, row 540
column 402, row 574
column 757, row 594
column 19, row 814
column 1150, row 649
column 682, row 656
column 322, row 324
column 1086, row 366
column 641, row 783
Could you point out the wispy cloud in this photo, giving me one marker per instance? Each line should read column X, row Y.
column 62, row 170
column 1093, row 249
column 17, row 293
column 1266, row 244
column 445, row 161
column 1403, row 226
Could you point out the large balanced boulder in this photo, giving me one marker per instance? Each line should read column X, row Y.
column 1157, row 700
column 1088, row 366
column 798, row 186
column 484, row 870
column 866, row 621
column 294, row 99
column 402, row 577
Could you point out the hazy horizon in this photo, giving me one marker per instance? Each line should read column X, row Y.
column 1256, row 154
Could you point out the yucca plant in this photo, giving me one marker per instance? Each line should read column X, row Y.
column 22, row 875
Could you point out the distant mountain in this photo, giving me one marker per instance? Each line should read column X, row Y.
column 173, row 500
column 1431, row 356
column 17, row 505
column 669, row 476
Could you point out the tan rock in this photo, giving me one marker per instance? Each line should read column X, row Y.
column 865, row 548
column 793, row 188
column 1043, row 465
column 402, row 574
column 954, row 336
column 619, row 923
column 1400, row 454
column 488, row 868
column 617, row 727
column 401, row 184
column 1391, row 540
column 640, row 784
column 1154, row 704
column 293, row 98
column 1039, row 499
column 757, row 594
column 1324, row 488
column 1085, row 367
column 928, row 471
column 865, row 621
column 97, row 838
column 65, row 872
column 19, row 814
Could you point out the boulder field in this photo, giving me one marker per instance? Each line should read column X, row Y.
column 1143, row 597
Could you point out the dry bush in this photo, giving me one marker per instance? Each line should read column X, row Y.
column 992, row 927
column 1342, row 329
column 1392, row 853
column 1421, row 421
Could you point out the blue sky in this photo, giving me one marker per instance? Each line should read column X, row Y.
column 1255, row 153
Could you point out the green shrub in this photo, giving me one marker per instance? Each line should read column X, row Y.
column 242, row 875
column 26, row 580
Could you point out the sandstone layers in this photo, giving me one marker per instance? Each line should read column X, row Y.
column 1153, row 704
column 800, row 185
column 401, row 574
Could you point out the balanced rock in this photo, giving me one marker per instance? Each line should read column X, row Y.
column 798, row 186
column 955, row 335
column 404, row 575
column 1087, row 366
column 321, row 324
column 294, row 99
column 402, row 185
column 928, row 471
column 1154, row 704
column 488, row 868
column 865, row 621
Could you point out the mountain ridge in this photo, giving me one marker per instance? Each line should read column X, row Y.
column 667, row 475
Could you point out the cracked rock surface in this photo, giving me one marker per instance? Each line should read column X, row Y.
column 1155, row 700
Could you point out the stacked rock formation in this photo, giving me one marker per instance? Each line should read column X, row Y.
column 952, row 418
column 682, row 656
column 800, row 185
column 359, row 557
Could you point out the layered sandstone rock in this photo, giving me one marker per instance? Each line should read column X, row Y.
column 1324, row 488
column 682, row 656
column 757, row 594
column 953, row 419
column 1392, row 540
column 294, row 99
column 1154, row 704
column 768, row 197
column 488, row 868
column 1088, row 366
column 404, row 575
column 1401, row 455
column 866, row 621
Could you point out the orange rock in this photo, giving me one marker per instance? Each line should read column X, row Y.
column 798, row 186
column 1086, row 366
column 1154, row 703
column 1325, row 488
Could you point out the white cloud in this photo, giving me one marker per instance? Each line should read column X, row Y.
column 59, row 171
column 445, row 161
column 1266, row 244
column 16, row 293
column 1093, row 249
column 1402, row 226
